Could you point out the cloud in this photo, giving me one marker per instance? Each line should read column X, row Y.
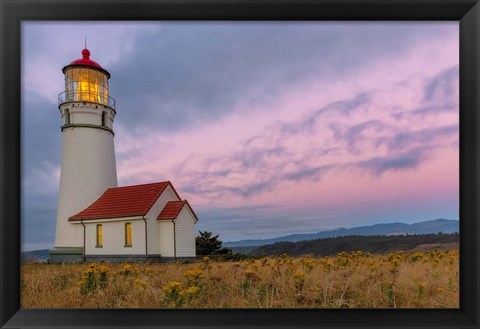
column 402, row 140
column 219, row 192
column 404, row 161
column 356, row 136
column 309, row 125
column 440, row 94
column 444, row 86
column 308, row 173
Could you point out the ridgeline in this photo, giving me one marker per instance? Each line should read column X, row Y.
column 374, row 244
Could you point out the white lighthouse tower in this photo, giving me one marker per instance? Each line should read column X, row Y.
column 88, row 157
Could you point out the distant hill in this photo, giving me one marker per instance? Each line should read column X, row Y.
column 432, row 226
column 374, row 244
column 34, row 256
column 243, row 250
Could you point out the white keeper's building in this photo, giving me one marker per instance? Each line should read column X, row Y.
column 96, row 219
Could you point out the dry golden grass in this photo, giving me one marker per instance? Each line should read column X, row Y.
column 349, row 280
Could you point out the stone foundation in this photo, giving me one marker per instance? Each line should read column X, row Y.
column 66, row 255
column 123, row 258
column 60, row 255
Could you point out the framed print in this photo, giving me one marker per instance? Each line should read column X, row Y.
column 240, row 164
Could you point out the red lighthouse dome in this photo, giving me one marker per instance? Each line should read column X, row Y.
column 86, row 61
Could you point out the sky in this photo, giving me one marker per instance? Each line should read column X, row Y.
column 266, row 128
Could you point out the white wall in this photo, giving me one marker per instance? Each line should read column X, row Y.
column 185, row 233
column 154, row 230
column 165, row 238
column 88, row 114
column 88, row 168
column 114, row 238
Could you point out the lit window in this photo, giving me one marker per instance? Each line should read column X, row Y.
column 99, row 236
column 128, row 234
column 85, row 84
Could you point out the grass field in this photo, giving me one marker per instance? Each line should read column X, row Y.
column 426, row 279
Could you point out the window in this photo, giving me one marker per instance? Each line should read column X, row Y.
column 99, row 236
column 104, row 114
column 128, row 234
column 67, row 117
column 84, row 84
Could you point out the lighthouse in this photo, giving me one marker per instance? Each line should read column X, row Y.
column 96, row 219
column 88, row 156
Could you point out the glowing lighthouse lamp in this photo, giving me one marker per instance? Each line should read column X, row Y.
column 88, row 157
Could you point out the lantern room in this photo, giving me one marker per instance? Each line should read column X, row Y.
column 86, row 81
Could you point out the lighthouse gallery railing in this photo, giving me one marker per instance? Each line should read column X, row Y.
column 85, row 96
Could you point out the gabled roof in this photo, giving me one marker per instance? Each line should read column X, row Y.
column 127, row 201
column 173, row 208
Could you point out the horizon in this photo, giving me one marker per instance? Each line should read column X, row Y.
column 298, row 233
column 266, row 128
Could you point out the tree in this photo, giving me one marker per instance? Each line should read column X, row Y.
column 208, row 244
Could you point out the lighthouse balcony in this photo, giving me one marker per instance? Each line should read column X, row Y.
column 85, row 96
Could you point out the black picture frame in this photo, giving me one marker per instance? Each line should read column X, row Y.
column 13, row 12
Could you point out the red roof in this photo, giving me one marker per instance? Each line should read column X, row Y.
column 173, row 208
column 135, row 200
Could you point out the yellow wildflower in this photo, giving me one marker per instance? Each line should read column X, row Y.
column 308, row 263
column 193, row 276
column 192, row 290
column 138, row 283
column 172, row 286
column 299, row 280
column 172, row 293
column 103, row 269
column 127, row 269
